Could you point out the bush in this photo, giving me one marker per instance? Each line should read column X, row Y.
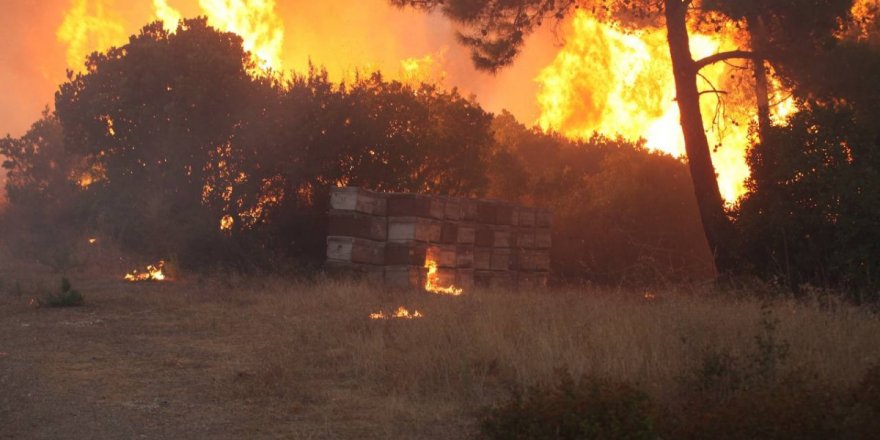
column 751, row 396
column 67, row 298
column 809, row 218
column 585, row 409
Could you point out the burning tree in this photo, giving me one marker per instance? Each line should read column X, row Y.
column 495, row 31
column 199, row 155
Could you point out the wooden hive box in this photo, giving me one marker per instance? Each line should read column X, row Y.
column 358, row 225
column 414, row 205
column 404, row 229
column 358, row 200
column 405, row 276
column 355, row 250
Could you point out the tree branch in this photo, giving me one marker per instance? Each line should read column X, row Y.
column 723, row 56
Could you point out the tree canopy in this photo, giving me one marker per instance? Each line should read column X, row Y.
column 495, row 31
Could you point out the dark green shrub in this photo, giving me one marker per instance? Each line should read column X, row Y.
column 67, row 298
column 584, row 409
column 750, row 396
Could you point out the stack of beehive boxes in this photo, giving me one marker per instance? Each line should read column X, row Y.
column 391, row 236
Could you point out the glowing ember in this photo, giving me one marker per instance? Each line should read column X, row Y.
column 400, row 313
column 153, row 273
column 226, row 223
column 432, row 282
column 93, row 240
column 85, row 180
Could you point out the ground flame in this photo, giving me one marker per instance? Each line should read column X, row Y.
column 433, row 282
column 153, row 273
column 400, row 313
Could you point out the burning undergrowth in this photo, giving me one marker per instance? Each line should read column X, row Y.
column 399, row 313
column 153, row 272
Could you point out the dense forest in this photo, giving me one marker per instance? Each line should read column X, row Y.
column 169, row 147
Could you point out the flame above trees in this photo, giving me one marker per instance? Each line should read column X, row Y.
column 91, row 25
column 620, row 83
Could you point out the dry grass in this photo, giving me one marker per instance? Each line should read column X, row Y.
column 268, row 357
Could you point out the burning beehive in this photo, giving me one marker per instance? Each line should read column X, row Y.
column 444, row 244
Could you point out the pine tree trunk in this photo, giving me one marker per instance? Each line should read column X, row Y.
column 716, row 225
column 762, row 90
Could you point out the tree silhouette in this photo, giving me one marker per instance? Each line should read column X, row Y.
column 495, row 31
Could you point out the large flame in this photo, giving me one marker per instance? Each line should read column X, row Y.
column 602, row 80
column 615, row 83
column 89, row 25
column 255, row 21
column 169, row 16
column 260, row 28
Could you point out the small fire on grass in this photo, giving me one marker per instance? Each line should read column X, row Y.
column 400, row 313
column 432, row 283
column 153, row 273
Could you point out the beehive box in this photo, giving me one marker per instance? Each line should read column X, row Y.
column 469, row 242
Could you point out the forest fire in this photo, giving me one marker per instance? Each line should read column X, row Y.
column 95, row 25
column 400, row 313
column 603, row 80
column 153, row 273
column 433, row 282
column 616, row 83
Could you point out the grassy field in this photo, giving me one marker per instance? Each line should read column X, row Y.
column 264, row 357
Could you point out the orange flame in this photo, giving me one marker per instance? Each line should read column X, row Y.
column 432, row 281
column 616, row 83
column 400, row 313
column 427, row 69
column 256, row 22
column 169, row 16
column 226, row 222
column 153, row 273
column 89, row 25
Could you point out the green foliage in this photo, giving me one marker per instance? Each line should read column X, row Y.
column 167, row 157
column 621, row 214
column 68, row 297
column 720, row 374
column 584, row 409
column 747, row 396
column 173, row 134
column 814, row 199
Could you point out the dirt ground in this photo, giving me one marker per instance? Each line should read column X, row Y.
column 171, row 361
column 227, row 357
